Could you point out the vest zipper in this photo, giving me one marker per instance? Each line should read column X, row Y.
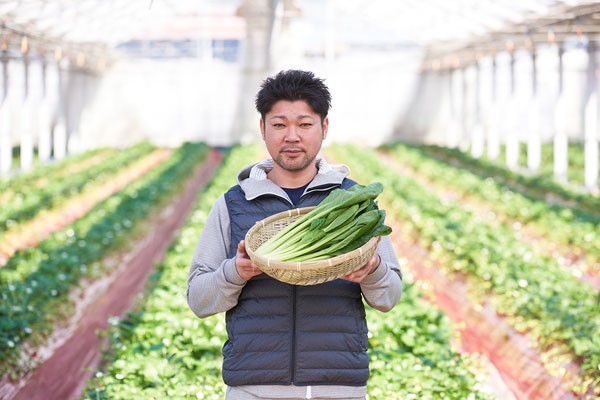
column 293, row 358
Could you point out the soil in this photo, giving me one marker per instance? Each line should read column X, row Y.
column 74, row 350
column 515, row 358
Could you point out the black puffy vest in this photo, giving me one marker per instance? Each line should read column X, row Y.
column 281, row 334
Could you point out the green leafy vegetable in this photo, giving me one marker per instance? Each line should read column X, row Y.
column 344, row 221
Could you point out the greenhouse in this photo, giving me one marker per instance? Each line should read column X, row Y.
column 262, row 199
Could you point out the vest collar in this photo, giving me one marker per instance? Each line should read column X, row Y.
column 254, row 182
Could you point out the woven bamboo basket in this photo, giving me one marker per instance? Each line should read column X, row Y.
column 304, row 272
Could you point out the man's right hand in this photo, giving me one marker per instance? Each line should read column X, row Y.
column 244, row 265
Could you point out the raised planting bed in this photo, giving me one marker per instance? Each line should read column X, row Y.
column 164, row 351
column 483, row 331
column 22, row 181
column 36, row 282
column 575, row 158
column 540, row 186
column 574, row 243
column 28, row 203
column 533, row 292
column 74, row 348
column 31, row 232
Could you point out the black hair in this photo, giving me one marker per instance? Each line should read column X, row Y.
column 294, row 85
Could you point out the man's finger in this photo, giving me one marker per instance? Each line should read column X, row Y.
column 241, row 250
column 245, row 262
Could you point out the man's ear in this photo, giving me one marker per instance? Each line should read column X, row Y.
column 325, row 127
column 262, row 128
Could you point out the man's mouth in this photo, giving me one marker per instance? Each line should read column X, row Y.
column 292, row 151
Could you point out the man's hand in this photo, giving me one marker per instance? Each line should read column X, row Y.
column 244, row 265
column 369, row 268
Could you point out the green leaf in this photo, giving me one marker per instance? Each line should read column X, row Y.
column 345, row 216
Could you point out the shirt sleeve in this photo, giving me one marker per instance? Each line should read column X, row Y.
column 383, row 288
column 214, row 284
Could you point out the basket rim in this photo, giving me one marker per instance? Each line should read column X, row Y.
column 300, row 265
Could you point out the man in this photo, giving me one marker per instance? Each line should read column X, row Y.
column 287, row 341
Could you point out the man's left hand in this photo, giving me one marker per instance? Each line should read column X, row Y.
column 369, row 268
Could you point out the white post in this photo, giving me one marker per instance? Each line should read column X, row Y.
column 534, row 144
column 512, row 138
column 5, row 123
column 591, row 135
column 26, row 117
column 44, row 120
column 60, row 128
column 259, row 15
column 60, row 139
column 452, row 130
column 591, row 143
column 591, row 160
column 5, row 142
column 463, row 121
column 75, row 93
column 493, row 138
column 26, row 135
column 561, row 142
column 477, row 140
column 441, row 131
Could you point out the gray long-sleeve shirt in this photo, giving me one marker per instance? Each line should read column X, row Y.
column 214, row 284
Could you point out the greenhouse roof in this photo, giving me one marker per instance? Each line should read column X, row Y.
column 102, row 24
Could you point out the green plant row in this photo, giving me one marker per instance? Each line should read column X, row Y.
column 24, row 207
column 163, row 351
column 536, row 185
column 35, row 283
column 575, row 157
column 21, row 182
column 542, row 299
column 564, row 225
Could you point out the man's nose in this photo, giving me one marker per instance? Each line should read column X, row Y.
column 292, row 134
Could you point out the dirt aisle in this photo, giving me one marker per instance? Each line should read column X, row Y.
column 64, row 373
column 515, row 358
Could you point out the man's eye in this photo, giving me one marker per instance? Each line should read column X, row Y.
column 278, row 125
column 306, row 125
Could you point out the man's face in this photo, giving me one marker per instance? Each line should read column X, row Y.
column 293, row 134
